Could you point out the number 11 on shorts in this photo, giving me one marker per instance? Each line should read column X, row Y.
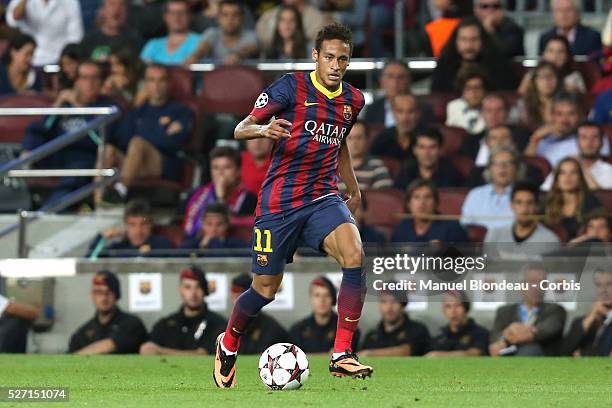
column 268, row 238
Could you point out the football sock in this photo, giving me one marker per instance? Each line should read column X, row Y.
column 245, row 310
column 350, row 303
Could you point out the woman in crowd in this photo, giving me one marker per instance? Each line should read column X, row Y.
column 534, row 109
column 557, row 52
column 569, row 199
column 69, row 61
column 289, row 38
column 16, row 73
column 422, row 203
column 125, row 79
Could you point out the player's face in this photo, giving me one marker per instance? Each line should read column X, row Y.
column 422, row 202
column 103, row 299
column 453, row 310
column 474, row 92
column 230, row 18
column 603, row 286
column 332, row 62
column 215, row 226
column 599, row 228
column 191, row 293
column 138, row 229
column 569, row 176
column 177, row 17
column 503, row 169
column 534, row 294
column 427, row 152
column 320, row 300
column 469, row 42
column 523, row 205
column 224, row 170
column 156, row 84
column 589, row 142
column 357, row 141
column 390, row 309
column 500, row 136
column 395, row 79
column 565, row 116
column 494, row 112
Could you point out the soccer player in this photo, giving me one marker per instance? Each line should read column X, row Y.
column 299, row 199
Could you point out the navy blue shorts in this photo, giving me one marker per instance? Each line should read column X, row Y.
column 277, row 236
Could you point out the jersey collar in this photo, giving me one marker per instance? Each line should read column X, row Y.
column 321, row 88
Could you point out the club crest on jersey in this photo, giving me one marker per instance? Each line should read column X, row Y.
column 348, row 112
column 262, row 100
column 262, row 259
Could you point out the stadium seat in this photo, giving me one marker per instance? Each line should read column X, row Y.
column 181, row 84
column 231, row 89
column 463, row 164
column 384, row 207
column 242, row 228
column 540, row 163
column 452, row 139
column 476, row 233
column 451, row 200
column 560, row 232
column 605, row 197
column 438, row 102
column 590, row 72
column 393, row 165
column 174, row 233
column 12, row 128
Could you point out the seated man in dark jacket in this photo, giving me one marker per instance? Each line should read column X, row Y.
column 110, row 331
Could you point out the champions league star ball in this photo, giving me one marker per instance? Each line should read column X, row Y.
column 283, row 366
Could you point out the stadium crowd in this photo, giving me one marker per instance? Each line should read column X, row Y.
column 494, row 153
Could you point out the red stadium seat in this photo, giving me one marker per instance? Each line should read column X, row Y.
column 393, row 165
column 181, row 84
column 243, row 232
column 231, row 89
column 174, row 233
column 452, row 137
column 540, row 163
column 590, row 72
column 463, row 164
column 12, row 128
column 438, row 102
column 384, row 207
column 476, row 233
column 605, row 197
column 451, row 200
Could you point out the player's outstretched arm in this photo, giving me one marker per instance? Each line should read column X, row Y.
column 249, row 128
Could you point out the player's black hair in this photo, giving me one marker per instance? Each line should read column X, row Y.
column 429, row 133
column 138, row 208
column 525, row 185
column 335, row 31
column 226, row 151
column 17, row 42
column 218, row 208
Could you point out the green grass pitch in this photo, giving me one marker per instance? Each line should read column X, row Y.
column 134, row 381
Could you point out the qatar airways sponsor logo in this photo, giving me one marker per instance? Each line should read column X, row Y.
column 325, row 132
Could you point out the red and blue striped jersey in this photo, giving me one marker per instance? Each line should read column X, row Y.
column 304, row 167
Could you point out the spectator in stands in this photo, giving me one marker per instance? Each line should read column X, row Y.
column 69, row 61
column 396, row 141
column 428, row 163
column 15, row 321
column 566, row 18
column 598, row 228
column 591, row 334
column 353, row 14
column 112, row 32
column 489, row 205
column 136, row 238
column 368, row 233
column 517, row 240
column 52, row 24
column 81, row 154
column 471, row 45
column 395, row 79
column 380, row 18
column 194, row 328
column 462, row 336
column 206, row 14
column 316, row 333
column 557, row 52
column 597, row 172
column 557, row 140
column 149, row 138
column 180, row 42
column 465, row 112
column 421, row 203
column 569, row 199
column 225, row 187
column 230, row 42
column 312, row 21
column 125, row 77
column 255, row 163
column 396, row 334
column 601, row 112
column 441, row 29
column 111, row 330
column 264, row 329
column 500, row 135
column 529, row 328
column 508, row 35
column 289, row 38
column 371, row 173
column 16, row 73
column 214, row 233
column 535, row 109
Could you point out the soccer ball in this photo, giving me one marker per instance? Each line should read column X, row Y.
column 283, row 366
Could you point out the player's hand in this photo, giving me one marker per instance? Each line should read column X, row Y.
column 277, row 129
column 353, row 201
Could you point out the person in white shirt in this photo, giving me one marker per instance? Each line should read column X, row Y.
column 464, row 112
column 52, row 23
column 597, row 172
